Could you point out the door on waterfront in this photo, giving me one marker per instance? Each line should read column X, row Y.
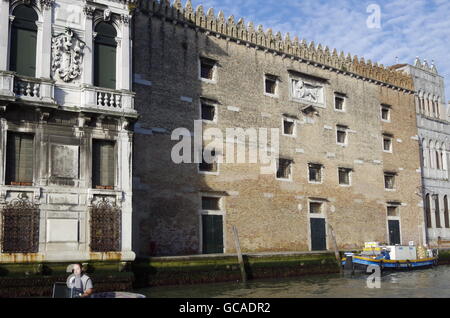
column 318, row 235
column 212, row 234
column 394, row 232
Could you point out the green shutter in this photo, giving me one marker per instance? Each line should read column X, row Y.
column 212, row 234
column 103, row 163
column 105, row 66
column 23, row 51
column 19, row 161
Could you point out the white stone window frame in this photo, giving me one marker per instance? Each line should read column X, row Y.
column 393, row 205
column 117, row 180
column 395, row 176
column 293, row 78
column 342, row 128
column 322, row 173
column 320, row 215
column 211, row 173
column 389, row 109
column 344, row 104
column 216, row 110
column 221, row 212
column 350, row 177
column 121, row 51
column 391, row 148
column 215, row 71
column 39, row 37
column 291, row 175
column 277, row 85
column 36, row 152
column 291, row 120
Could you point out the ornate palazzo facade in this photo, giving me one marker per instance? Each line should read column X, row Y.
column 65, row 130
column 434, row 132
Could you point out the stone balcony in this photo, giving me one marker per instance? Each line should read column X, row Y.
column 45, row 92
column 14, row 88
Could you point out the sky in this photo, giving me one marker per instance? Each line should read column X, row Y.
column 384, row 31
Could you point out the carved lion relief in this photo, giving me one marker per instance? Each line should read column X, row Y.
column 307, row 92
column 67, row 55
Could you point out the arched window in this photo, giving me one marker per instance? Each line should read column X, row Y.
column 424, row 153
column 444, row 157
column 23, row 41
column 438, row 107
column 431, row 155
column 438, row 157
column 105, row 56
column 447, row 220
column 437, row 211
column 428, row 211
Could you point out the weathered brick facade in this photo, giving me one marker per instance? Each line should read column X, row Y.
column 271, row 215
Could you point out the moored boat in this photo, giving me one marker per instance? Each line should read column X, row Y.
column 390, row 258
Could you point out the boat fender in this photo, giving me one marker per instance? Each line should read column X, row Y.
column 435, row 262
column 381, row 265
column 397, row 265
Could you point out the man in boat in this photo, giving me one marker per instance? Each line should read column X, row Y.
column 384, row 255
column 81, row 282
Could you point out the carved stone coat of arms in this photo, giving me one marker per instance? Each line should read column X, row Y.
column 67, row 55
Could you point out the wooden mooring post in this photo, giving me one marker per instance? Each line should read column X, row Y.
column 335, row 247
column 239, row 253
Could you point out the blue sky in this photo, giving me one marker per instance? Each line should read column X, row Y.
column 409, row 28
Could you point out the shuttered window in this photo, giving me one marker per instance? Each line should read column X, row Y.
column 103, row 164
column 23, row 41
column 105, row 48
column 19, row 159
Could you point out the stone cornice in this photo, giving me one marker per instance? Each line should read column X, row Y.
column 269, row 42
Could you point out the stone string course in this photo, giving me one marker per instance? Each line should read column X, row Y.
column 275, row 43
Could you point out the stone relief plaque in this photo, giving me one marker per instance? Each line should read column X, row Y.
column 307, row 92
column 64, row 161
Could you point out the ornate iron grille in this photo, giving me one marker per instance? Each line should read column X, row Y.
column 105, row 227
column 20, row 232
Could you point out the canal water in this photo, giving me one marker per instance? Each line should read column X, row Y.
column 428, row 283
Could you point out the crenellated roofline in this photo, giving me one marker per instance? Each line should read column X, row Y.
column 275, row 43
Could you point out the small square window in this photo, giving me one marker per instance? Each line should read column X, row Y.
column 389, row 181
column 288, row 127
column 342, row 135
column 315, row 173
column 387, row 143
column 315, row 207
column 207, row 67
column 211, row 203
column 339, row 101
column 207, row 166
column 271, row 84
column 393, row 210
column 284, row 169
column 344, row 176
column 385, row 113
column 208, row 112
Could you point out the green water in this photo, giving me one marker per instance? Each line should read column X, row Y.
column 429, row 283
